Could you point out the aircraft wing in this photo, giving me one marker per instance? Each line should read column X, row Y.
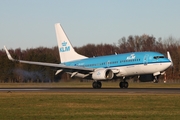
column 49, row 64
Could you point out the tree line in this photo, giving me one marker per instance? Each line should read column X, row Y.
column 16, row 72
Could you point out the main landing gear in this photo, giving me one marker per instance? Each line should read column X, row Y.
column 123, row 84
column 96, row 84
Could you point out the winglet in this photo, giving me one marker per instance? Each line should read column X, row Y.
column 8, row 54
column 169, row 57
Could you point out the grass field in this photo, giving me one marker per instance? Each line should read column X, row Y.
column 88, row 106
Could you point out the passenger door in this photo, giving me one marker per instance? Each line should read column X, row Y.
column 145, row 60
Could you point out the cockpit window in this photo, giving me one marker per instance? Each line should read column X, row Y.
column 157, row 57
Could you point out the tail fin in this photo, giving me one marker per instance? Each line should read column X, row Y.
column 66, row 51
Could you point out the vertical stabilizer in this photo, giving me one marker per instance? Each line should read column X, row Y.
column 66, row 51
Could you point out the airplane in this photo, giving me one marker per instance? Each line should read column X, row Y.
column 148, row 66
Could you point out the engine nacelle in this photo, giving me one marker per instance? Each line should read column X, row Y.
column 146, row 78
column 103, row 74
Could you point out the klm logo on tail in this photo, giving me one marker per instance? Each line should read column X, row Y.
column 64, row 47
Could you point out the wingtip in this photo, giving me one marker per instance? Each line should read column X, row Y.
column 8, row 54
column 169, row 57
column 5, row 47
column 57, row 24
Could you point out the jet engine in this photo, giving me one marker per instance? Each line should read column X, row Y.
column 103, row 74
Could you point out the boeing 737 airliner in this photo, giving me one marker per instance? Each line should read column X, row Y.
column 146, row 65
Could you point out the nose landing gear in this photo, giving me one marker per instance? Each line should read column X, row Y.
column 155, row 79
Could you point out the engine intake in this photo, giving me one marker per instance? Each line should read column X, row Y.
column 103, row 74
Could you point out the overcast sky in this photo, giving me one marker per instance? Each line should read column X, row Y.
column 30, row 23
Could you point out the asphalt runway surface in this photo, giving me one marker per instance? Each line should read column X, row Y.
column 91, row 90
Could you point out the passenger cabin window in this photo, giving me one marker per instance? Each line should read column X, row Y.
column 131, row 60
column 100, row 64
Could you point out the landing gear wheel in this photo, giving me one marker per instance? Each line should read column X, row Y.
column 99, row 84
column 126, row 84
column 155, row 81
column 96, row 84
column 123, row 84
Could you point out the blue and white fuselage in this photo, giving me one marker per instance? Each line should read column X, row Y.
column 135, row 63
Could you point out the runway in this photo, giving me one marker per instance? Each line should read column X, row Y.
column 91, row 90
